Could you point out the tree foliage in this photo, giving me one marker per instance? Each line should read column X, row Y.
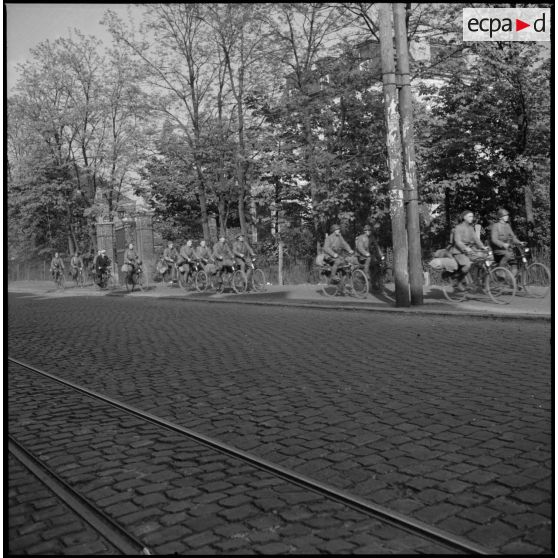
column 262, row 114
column 484, row 138
column 72, row 141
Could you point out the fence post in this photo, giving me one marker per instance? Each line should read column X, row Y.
column 280, row 263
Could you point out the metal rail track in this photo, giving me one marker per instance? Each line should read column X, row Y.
column 122, row 540
column 371, row 509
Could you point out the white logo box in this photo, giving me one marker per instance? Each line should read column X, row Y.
column 500, row 24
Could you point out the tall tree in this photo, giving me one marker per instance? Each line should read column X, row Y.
column 174, row 50
column 484, row 140
column 241, row 35
column 303, row 31
column 51, row 107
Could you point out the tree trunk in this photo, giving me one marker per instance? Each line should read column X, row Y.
column 242, row 213
column 529, row 203
column 202, row 196
column 311, row 162
column 204, row 215
column 280, row 262
column 447, row 209
column 74, row 240
column 222, row 216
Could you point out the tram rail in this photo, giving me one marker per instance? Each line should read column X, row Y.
column 371, row 509
column 121, row 539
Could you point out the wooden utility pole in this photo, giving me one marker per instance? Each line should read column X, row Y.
column 396, row 205
column 411, row 190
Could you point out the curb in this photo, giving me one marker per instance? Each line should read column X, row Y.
column 318, row 305
column 324, row 306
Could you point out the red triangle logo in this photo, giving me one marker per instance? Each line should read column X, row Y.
column 519, row 25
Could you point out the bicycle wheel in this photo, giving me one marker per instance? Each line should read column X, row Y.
column 201, row 281
column 139, row 281
column 329, row 288
column 447, row 283
column 258, row 280
column 535, row 280
column 182, row 283
column 80, row 279
column 220, row 282
column 500, row 285
column 60, row 282
column 239, row 283
column 129, row 281
column 359, row 283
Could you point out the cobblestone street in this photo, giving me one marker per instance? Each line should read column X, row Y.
column 443, row 418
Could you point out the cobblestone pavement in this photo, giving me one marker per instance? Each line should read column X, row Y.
column 177, row 495
column 445, row 418
column 39, row 523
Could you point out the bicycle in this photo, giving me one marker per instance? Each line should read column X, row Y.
column 349, row 279
column 78, row 276
column 91, row 275
column 253, row 279
column 230, row 278
column 188, row 282
column 164, row 267
column 58, row 277
column 533, row 279
column 134, row 278
column 105, row 279
column 205, row 278
column 495, row 281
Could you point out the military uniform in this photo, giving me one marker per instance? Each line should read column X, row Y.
column 362, row 249
column 464, row 237
column 223, row 255
column 56, row 263
column 186, row 259
column 170, row 255
column 500, row 233
column 241, row 250
column 204, row 255
column 130, row 256
column 76, row 263
column 334, row 247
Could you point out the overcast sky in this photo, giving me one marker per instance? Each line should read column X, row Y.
column 27, row 25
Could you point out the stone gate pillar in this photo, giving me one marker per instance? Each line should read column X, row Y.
column 145, row 243
column 213, row 233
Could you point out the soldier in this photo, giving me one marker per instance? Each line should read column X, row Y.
column 241, row 250
column 56, row 264
column 102, row 263
column 378, row 259
column 502, row 239
column 131, row 258
column 76, row 263
column 464, row 239
column 362, row 248
column 334, row 248
column 186, row 259
column 222, row 255
column 170, row 255
column 203, row 254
